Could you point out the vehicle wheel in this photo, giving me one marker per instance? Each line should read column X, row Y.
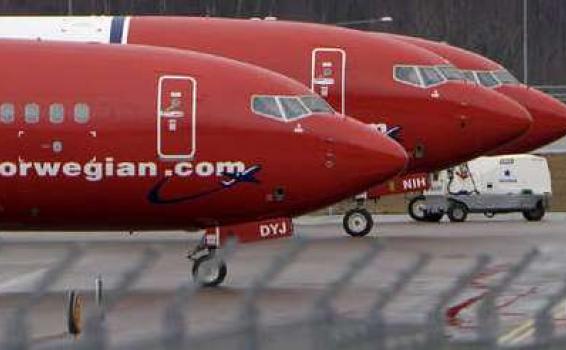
column 209, row 271
column 457, row 212
column 433, row 217
column 358, row 222
column 74, row 312
column 417, row 209
column 535, row 214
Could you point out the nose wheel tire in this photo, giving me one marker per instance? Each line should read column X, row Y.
column 209, row 271
column 417, row 211
column 457, row 212
column 433, row 217
column 357, row 222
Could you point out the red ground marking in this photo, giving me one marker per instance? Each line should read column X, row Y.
column 452, row 312
column 479, row 282
column 514, row 299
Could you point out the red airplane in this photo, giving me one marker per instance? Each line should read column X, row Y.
column 379, row 81
column 376, row 80
column 549, row 114
column 103, row 137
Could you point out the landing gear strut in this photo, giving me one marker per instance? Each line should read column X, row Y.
column 208, row 269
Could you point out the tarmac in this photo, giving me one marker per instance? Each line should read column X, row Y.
column 25, row 257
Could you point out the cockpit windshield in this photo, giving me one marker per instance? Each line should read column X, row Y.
column 431, row 76
column 451, row 73
column 293, row 107
column 469, row 76
column 407, row 75
column 505, row 77
column 419, row 76
column 267, row 106
column 288, row 108
column 317, row 105
column 487, row 79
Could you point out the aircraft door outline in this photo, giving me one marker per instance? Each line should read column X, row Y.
column 176, row 117
column 324, row 75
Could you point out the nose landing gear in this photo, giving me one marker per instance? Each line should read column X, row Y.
column 358, row 222
column 208, row 270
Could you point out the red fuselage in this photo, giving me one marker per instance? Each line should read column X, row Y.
column 439, row 124
column 98, row 136
column 549, row 114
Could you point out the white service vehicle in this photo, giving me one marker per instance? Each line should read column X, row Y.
column 488, row 185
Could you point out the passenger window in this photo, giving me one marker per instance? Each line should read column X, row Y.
column 317, row 104
column 292, row 107
column 505, row 77
column 267, row 105
column 56, row 113
column 407, row 75
column 7, row 113
column 31, row 113
column 487, row 79
column 82, row 113
column 430, row 76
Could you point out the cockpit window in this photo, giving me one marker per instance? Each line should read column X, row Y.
column 267, row 105
column 316, row 104
column 408, row 75
column 469, row 76
column 451, row 73
column 293, row 107
column 505, row 77
column 288, row 108
column 487, row 79
column 430, row 76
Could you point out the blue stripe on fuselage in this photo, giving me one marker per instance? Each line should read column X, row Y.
column 117, row 30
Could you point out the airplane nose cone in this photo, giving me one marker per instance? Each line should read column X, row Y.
column 549, row 120
column 380, row 158
column 358, row 156
column 501, row 120
column 368, row 155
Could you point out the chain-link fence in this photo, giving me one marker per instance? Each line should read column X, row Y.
column 323, row 327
